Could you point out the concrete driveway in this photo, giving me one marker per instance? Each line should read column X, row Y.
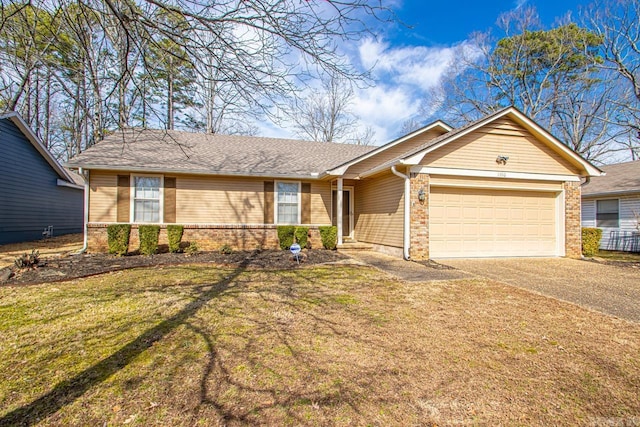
column 608, row 289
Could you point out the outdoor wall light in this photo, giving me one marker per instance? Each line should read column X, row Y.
column 502, row 160
column 421, row 195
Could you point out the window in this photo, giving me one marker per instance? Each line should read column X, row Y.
column 288, row 202
column 146, row 198
column 607, row 213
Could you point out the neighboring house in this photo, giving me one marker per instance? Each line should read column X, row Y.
column 36, row 192
column 500, row 186
column 612, row 203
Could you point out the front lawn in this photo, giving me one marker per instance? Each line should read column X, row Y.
column 619, row 256
column 338, row 345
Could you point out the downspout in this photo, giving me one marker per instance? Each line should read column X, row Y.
column 587, row 179
column 407, row 212
column 86, row 213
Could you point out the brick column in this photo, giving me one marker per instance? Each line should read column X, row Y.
column 419, row 217
column 572, row 226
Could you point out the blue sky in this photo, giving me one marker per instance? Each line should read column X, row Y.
column 408, row 61
column 449, row 22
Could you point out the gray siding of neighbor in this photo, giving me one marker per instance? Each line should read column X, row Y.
column 30, row 198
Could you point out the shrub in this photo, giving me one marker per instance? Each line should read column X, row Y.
column 148, row 239
column 329, row 236
column 118, row 238
column 192, row 249
column 28, row 260
column 285, row 236
column 174, row 236
column 225, row 249
column 591, row 241
column 302, row 236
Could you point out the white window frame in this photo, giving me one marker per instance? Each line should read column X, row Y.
column 601, row 200
column 132, row 197
column 276, row 218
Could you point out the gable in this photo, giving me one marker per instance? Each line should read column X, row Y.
column 25, row 164
column 393, row 152
column 503, row 136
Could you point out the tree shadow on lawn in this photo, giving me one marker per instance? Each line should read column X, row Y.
column 215, row 375
column 66, row 392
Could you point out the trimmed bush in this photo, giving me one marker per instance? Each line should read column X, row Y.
column 174, row 235
column 192, row 249
column 225, row 249
column 118, row 238
column 302, row 236
column 591, row 238
column 148, row 239
column 329, row 236
column 285, row 236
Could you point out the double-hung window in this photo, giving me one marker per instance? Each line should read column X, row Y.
column 146, row 198
column 607, row 213
column 288, row 202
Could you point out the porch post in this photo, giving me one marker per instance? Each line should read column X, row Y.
column 339, row 209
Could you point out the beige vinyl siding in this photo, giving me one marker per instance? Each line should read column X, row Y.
column 393, row 152
column 230, row 200
column 103, row 191
column 379, row 210
column 320, row 203
column 472, row 182
column 503, row 137
column 207, row 200
column 219, row 200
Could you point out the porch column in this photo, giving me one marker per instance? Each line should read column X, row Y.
column 339, row 209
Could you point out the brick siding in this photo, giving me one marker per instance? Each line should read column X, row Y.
column 573, row 230
column 208, row 237
column 419, row 217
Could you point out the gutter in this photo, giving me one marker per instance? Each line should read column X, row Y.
column 407, row 212
column 86, row 213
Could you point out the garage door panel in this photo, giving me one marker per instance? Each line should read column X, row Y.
column 488, row 223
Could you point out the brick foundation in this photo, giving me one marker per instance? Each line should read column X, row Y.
column 419, row 217
column 208, row 237
column 572, row 226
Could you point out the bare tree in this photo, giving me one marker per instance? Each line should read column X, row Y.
column 618, row 24
column 250, row 53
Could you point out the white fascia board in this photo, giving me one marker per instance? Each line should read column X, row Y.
column 588, row 167
column 341, row 170
column 63, row 183
column 493, row 174
column 134, row 169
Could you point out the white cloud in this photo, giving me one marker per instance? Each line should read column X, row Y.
column 403, row 78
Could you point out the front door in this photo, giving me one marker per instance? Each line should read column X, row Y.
column 346, row 211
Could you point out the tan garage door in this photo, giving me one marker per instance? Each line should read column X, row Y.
column 491, row 223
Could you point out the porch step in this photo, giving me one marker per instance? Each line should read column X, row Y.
column 354, row 246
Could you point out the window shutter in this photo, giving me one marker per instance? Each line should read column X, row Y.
column 123, row 199
column 306, row 203
column 169, row 200
column 268, row 202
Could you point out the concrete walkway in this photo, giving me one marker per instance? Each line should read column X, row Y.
column 406, row 270
column 609, row 289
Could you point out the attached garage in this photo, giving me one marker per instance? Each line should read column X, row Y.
column 473, row 222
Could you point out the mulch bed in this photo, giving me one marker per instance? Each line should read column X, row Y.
column 77, row 266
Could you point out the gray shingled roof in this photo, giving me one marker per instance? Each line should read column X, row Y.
column 186, row 152
column 619, row 178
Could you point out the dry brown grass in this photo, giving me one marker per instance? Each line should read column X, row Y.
column 56, row 246
column 195, row 345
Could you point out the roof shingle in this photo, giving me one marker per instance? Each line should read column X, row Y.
column 187, row 152
column 619, row 178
